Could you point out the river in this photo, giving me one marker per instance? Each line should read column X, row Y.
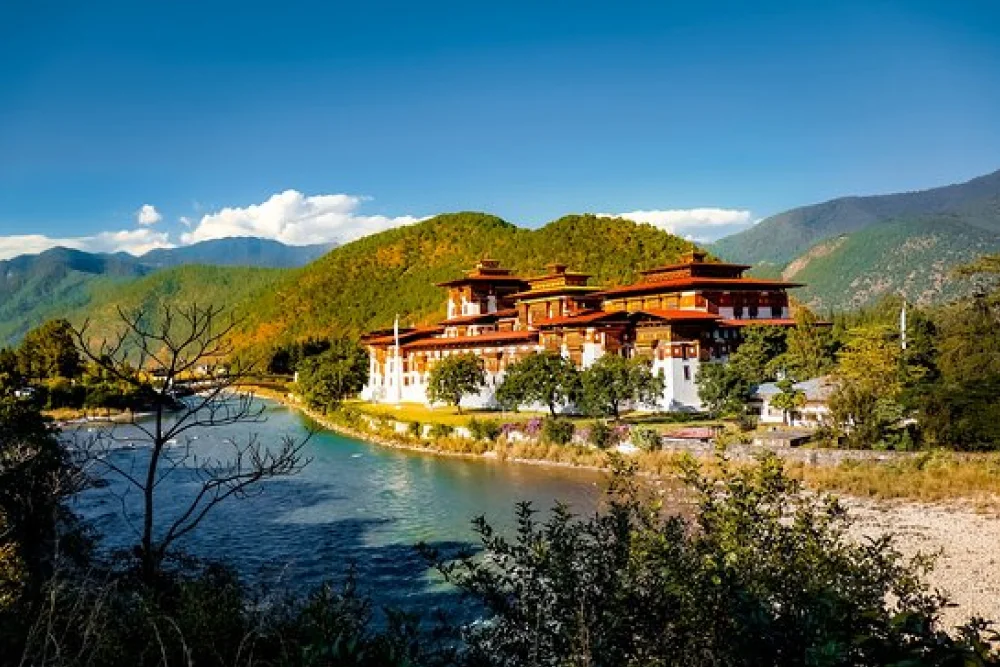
column 355, row 504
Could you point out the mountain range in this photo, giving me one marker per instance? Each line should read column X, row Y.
column 852, row 251
column 849, row 252
column 34, row 288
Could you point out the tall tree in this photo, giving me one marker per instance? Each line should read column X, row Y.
column 755, row 359
column 183, row 339
column 866, row 403
column 721, row 389
column 613, row 380
column 50, row 351
column 37, row 476
column 328, row 378
column 542, row 377
column 454, row 377
column 809, row 352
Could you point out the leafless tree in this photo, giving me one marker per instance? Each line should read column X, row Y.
column 184, row 342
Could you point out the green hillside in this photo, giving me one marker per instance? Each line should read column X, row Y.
column 912, row 258
column 39, row 287
column 784, row 237
column 364, row 284
column 60, row 281
column 183, row 285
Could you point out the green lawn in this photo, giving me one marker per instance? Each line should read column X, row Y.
column 417, row 412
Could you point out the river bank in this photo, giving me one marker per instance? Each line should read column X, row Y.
column 963, row 530
column 965, row 540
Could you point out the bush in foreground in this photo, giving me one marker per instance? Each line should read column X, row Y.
column 760, row 574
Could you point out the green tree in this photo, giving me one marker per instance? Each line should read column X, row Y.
column 328, row 378
column 613, row 380
column 755, row 573
column 37, row 477
column 542, row 377
column 870, row 377
column 755, row 360
column 50, row 351
column 455, row 376
column 721, row 389
column 809, row 352
column 788, row 399
column 10, row 374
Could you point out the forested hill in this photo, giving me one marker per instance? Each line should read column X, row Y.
column 364, row 284
column 853, row 251
column 34, row 288
column 784, row 237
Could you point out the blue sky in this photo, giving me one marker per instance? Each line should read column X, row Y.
column 318, row 121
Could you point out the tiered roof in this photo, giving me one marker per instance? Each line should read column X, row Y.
column 486, row 271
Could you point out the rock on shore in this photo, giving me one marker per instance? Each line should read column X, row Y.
column 968, row 541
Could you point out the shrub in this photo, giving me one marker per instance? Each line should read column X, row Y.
column 484, row 429
column 557, row 431
column 747, row 421
column 416, row 430
column 647, row 439
column 735, row 583
column 601, row 435
column 439, row 431
column 348, row 416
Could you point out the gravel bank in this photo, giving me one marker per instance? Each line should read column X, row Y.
column 968, row 568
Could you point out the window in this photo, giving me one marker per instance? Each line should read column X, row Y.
column 687, row 373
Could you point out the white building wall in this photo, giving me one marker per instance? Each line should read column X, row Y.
column 680, row 392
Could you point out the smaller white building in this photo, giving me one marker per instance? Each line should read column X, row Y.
column 814, row 413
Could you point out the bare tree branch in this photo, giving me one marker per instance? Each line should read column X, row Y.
column 159, row 356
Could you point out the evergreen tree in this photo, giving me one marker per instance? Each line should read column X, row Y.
column 755, row 359
column 809, row 351
column 50, row 351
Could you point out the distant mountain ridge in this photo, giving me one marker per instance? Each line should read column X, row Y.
column 238, row 251
column 781, row 238
column 34, row 288
column 852, row 251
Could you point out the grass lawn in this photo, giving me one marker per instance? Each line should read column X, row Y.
column 417, row 412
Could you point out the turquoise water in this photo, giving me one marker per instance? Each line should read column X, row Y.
column 355, row 504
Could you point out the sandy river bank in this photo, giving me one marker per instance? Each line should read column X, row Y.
column 967, row 541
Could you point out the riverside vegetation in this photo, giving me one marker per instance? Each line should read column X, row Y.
column 732, row 581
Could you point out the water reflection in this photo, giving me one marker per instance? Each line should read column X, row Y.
column 355, row 504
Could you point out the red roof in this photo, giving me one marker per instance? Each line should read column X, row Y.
column 493, row 280
column 676, row 314
column 484, row 317
column 692, row 283
column 770, row 322
column 687, row 265
column 493, row 339
column 585, row 317
column 404, row 335
column 567, row 290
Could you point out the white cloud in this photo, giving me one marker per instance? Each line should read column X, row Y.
column 186, row 221
column 699, row 224
column 148, row 215
column 297, row 219
column 133, row 241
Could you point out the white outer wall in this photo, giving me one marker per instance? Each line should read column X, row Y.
column 679, row 393
column 811, row 415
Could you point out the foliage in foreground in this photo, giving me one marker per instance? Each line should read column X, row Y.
column 760, row 574
column 755, row 572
